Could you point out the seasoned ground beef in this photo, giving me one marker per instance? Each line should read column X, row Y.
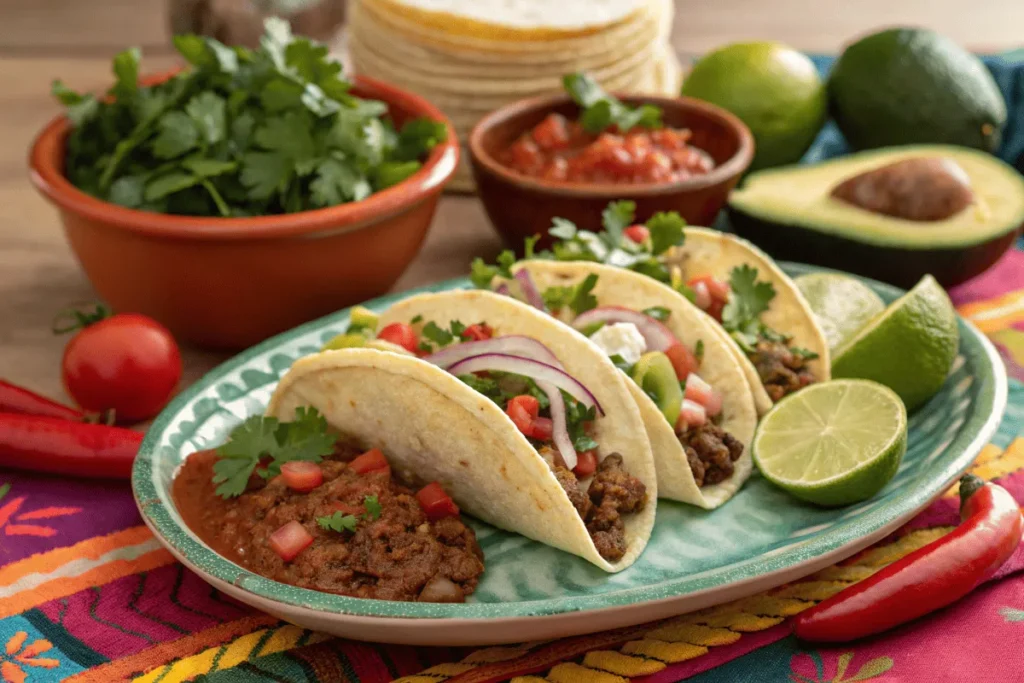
column 782, row 372
column 613, row 492
column 398, row 556
column 711, row 452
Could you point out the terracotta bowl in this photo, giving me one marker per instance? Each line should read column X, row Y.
column 231, row 282
column 520, row 206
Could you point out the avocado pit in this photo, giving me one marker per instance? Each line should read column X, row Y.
column 917, row 189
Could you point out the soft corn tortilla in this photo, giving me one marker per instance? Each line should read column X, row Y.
column 432, row 426
column 619, row 287
column 710, row 252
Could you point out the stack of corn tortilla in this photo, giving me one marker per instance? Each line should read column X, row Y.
column 470, row 57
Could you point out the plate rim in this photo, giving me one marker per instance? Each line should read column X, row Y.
column 985, row 414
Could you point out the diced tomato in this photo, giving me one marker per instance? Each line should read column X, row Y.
column 370, row 461
column 714, row 405
column 523, row 411
column 401, row 334
column 637, row 233
column 477, row 332
column 701, row 296
column 302, row 476
column 716, row 308
column 542, row 428
column 691, row 415
column 436, row 503
column 552, row 133
column 683, row 361
column 290, row 540
column 347, row 509
column 586, row 464
column 698, row 390
column 557, row 169
column 716, row 288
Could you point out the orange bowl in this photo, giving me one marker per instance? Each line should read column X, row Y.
column 521, row 206
column 231, row 282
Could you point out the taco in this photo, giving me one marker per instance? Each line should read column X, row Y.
column 773, row 333
column 697, row 407
column 521, row 419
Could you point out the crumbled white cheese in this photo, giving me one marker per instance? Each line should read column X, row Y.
column 622, row 339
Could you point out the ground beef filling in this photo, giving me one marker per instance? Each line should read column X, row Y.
column 710, row 452
column 782, row 372
column 399, row 556
column 613, row 492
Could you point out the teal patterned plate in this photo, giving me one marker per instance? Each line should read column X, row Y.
column 695, row 558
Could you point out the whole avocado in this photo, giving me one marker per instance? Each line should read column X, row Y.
column 910, row 86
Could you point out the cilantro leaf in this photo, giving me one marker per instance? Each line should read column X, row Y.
column 698, row 351
column 338, row 522
column 482, row 274
column 666, row 230
column 287, row 134
column 128, row 191
column 657, row 312
column 806, row 354
column 621, row 363
column 748, row 299
column 582, row 299
column 562, row 228
column 207, row 112
column 264, row 173
column 529, row 244
column 437, row 334
column 393, row 172
column 305, row 438
column 126, row 71
column 418, row 137
column 208, row 168
column 373, row 508
column 168, row 184
column 616, row 217
column 178, row 134
column 601, row 110
column 337, row 182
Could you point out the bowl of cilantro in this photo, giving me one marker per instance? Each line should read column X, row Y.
column 249, row 192
column 570, row 155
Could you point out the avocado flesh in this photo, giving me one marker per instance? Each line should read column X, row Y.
column 800, row 196
column 790, row 214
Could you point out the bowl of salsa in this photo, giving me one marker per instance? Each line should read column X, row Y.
column 569, row 155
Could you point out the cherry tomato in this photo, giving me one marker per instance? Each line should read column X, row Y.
column 637, row 233
column 370, row 461
column 523, row 411
column 436, row 503
column 401, row 334
column 302, row 476
column 477, row 332
column 586, row 464
column 290, row 540
column 683, row 360
column 127, row 363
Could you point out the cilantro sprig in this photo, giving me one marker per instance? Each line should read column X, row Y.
column 341, row 522
column 601, row 110
column 577, row 298
column 748, row 299
column 434, row 337
column 263, row 444
column 238, row 133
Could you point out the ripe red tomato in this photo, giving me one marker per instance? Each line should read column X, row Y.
column 127, row 363
column 436, row 503
column 683, row 360
column 477, row 332
column 586, row 464
column 637, row 233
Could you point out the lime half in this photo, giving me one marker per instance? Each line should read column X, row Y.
column 833, row 443
column 909, row 347
column 842, row 304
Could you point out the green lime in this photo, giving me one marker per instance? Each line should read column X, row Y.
column 833, row 443
column 772, row 88
column 909, row 347
column 842, row 304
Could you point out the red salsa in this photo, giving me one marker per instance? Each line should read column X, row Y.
column 559, row 149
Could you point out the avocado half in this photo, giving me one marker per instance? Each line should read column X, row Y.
column 790, row 213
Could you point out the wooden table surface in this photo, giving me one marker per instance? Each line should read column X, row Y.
column 74, row 40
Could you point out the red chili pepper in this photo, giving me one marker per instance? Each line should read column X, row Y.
column 927, row 579
column 48, row 444
column 15, row 399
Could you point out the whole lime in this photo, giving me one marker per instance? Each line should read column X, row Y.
column 772, row 88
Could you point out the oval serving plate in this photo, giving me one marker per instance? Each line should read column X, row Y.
column 695, row 559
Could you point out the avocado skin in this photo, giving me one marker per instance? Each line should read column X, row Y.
column 898, row 266
column 905, row 86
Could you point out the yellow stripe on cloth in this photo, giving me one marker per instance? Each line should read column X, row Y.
column 995, row 314
column 622, row 664
column 670, row 653
column 993, row 463
column 574, row 673
column 241, row 649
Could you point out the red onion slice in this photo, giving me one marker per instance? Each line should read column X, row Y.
column 559, row 426
column 503, row 290
column 530, row 292
column 535, row 370
column 510, row 345
column 657, row 336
